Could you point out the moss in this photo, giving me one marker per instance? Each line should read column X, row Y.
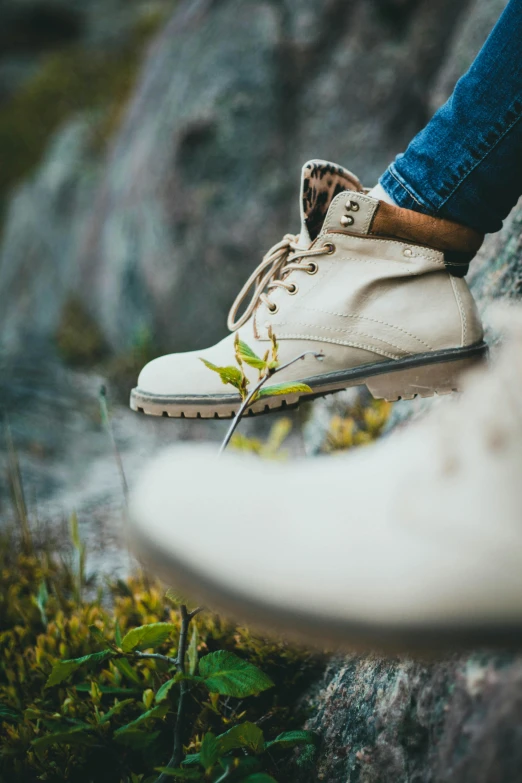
column 47, row 612
column 69, row 80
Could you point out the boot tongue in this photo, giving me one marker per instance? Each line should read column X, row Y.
column 321, row 181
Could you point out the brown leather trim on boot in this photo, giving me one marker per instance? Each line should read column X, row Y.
column 438, row 233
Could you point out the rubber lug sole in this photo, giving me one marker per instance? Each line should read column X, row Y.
column 420, row 375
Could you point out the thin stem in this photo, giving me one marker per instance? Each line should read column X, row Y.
column 108, row 425
column 177, row 753
column 156, row 657
column 14, row 476
column 250, row 398
column 226, row 774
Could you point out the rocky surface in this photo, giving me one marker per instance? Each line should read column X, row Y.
column 390, row 720
column 39, row 256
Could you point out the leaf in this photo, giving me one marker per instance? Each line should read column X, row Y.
column 247, row 355
column 41, row 601
column 192, row 653
column 147, row 636
column 156, row 712
column 62, row 670
column 290, row 739
column 180, row 774
column 246, row 735
column 164, row 690
column 97, row 634
column 110, row 690
column 135, row 739
column 75, row 531
column 118, row 707
column 117, row 633
column 246, row 765
column 274, row 349
column 8, row 715
column 72, row 737
column 227, row 674
column 229, row 375
column 191, row 760
column 284, row 388
column 210, row 751
column 175, row 597
column 278, row 434
column 259, row 777
column 123, row 666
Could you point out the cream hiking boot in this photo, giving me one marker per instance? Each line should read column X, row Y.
column 378, row 290
column 414, row 542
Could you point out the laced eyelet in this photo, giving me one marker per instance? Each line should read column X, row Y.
column 272, row 309
column 329, row 247
column 293, row 290
column 353, row 205
column 312, row 268
column 347, row 220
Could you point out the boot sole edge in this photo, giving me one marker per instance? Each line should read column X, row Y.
column 420, row 375
column 322, row 631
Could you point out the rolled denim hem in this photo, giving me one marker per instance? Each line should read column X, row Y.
column 399, row 191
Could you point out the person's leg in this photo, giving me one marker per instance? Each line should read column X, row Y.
column 466, row 164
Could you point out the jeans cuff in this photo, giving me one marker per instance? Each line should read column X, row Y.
column 392, row 184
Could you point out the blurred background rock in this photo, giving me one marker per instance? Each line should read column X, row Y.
column 149, row 155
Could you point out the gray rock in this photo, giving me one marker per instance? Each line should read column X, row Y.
column 451, row 721
column 39, row 263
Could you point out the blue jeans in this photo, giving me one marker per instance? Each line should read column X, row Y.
column 466, row 165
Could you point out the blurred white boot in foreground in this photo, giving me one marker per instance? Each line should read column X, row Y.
column 413, row 542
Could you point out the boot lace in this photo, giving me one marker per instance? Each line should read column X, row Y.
column 284, row 257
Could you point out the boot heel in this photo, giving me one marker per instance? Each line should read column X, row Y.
column 425, row 381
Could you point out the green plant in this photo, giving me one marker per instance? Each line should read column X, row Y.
column 364, row 423
column 108, row 683
column 271, row 448
column 267, row 367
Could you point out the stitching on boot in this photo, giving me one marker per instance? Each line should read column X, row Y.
column 348, row 344
column 344, row 331
column 373, row 320
column 427, row 253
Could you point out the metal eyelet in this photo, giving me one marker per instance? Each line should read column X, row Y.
column 293, row 290
column 329, row 247
column 353, row 205
column 312, row 268
column 273, row 309
column 347, row 220
column 407, row 252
